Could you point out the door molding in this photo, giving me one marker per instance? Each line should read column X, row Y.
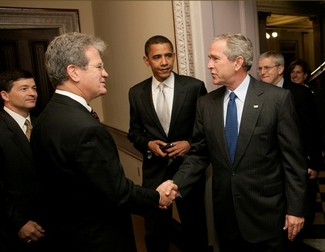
column 66, row 20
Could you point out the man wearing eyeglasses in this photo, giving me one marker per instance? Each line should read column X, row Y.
column 86, row 197
column 271, row 70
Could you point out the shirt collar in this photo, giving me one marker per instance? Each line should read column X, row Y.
column 241, row 90
column 280, row 84
column 169, row 82
column 75, row 97
column 17, row 117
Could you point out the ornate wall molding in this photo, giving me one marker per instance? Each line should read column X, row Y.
column 22, row 18
column 183, row 35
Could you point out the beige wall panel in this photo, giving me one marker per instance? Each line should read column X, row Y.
column 125, row 26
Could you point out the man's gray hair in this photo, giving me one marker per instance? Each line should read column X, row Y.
column 69, row 49
column 237, row 45
column 278, row 57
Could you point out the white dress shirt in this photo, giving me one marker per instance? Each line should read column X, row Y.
column 18, row 118
column 169, row 91
column 240, row 92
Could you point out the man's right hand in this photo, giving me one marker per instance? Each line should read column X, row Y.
column 168, row 192
column 154, row 147
column 31, row 232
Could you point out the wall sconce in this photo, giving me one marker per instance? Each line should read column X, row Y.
column 267, row 36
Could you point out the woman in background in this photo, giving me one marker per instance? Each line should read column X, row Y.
column 299, row 72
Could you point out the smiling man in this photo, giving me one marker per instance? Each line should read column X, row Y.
column 19, row 227
column 271, row 69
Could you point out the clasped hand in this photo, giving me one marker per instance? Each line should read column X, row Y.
column 179, row 148
column 31, row 232
column 168, row 193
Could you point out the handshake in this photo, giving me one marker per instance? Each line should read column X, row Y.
column 168, row 193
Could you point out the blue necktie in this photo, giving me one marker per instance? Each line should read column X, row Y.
column 231, row 129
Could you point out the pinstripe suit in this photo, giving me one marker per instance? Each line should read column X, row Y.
column 267, row 179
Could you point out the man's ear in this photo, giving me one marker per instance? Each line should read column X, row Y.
column 146, row 60
column 239, row 62
column 4, row 95
column 73, row 72
column 280, row 69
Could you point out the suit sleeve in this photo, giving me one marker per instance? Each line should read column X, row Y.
column 293, row 159
column 311, row 134
column 98, row 159
column 137, row 134
column 196, row 160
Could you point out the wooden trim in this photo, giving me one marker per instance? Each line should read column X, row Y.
column 123, row 142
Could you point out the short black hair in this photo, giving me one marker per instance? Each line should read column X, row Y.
column 157, row 39
column 7, row 78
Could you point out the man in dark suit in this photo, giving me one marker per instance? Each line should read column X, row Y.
column 259, row 181
column 149, row 135
column 19, row 227
column 87, row 198
column 271, row 70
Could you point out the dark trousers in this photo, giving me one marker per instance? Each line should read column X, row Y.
column 277, row 244
column 192, row 215
column 297, row 245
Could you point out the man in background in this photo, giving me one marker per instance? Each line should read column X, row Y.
column 87, row 198
column 163, row 134
column 271, row 67
column 19, row 187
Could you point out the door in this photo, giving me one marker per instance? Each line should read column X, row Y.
column 25, row 49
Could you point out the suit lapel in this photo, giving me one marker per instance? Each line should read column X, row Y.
column 17, row 135
column 216, row 115
column 146, row 98
column 178, row 101
column 251, row 111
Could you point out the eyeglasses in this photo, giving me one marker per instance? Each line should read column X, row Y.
column 266, row 68
column 100, row 67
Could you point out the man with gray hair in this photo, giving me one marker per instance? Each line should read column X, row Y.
column 87, row 198
column 271, row 67
column 248, row 130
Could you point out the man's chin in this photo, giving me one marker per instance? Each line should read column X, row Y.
column 103, row 91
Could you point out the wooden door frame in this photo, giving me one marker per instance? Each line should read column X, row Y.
column 62, row 21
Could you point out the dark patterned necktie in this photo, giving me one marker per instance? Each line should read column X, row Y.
column 94, row 114
column 231, row 129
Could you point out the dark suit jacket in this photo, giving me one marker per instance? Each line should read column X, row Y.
column 145, row 125
column 268, row 177
column 18, row 181
column 86, row 194
column 310, row 127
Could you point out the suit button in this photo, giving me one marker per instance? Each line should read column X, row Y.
column 233, row 173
